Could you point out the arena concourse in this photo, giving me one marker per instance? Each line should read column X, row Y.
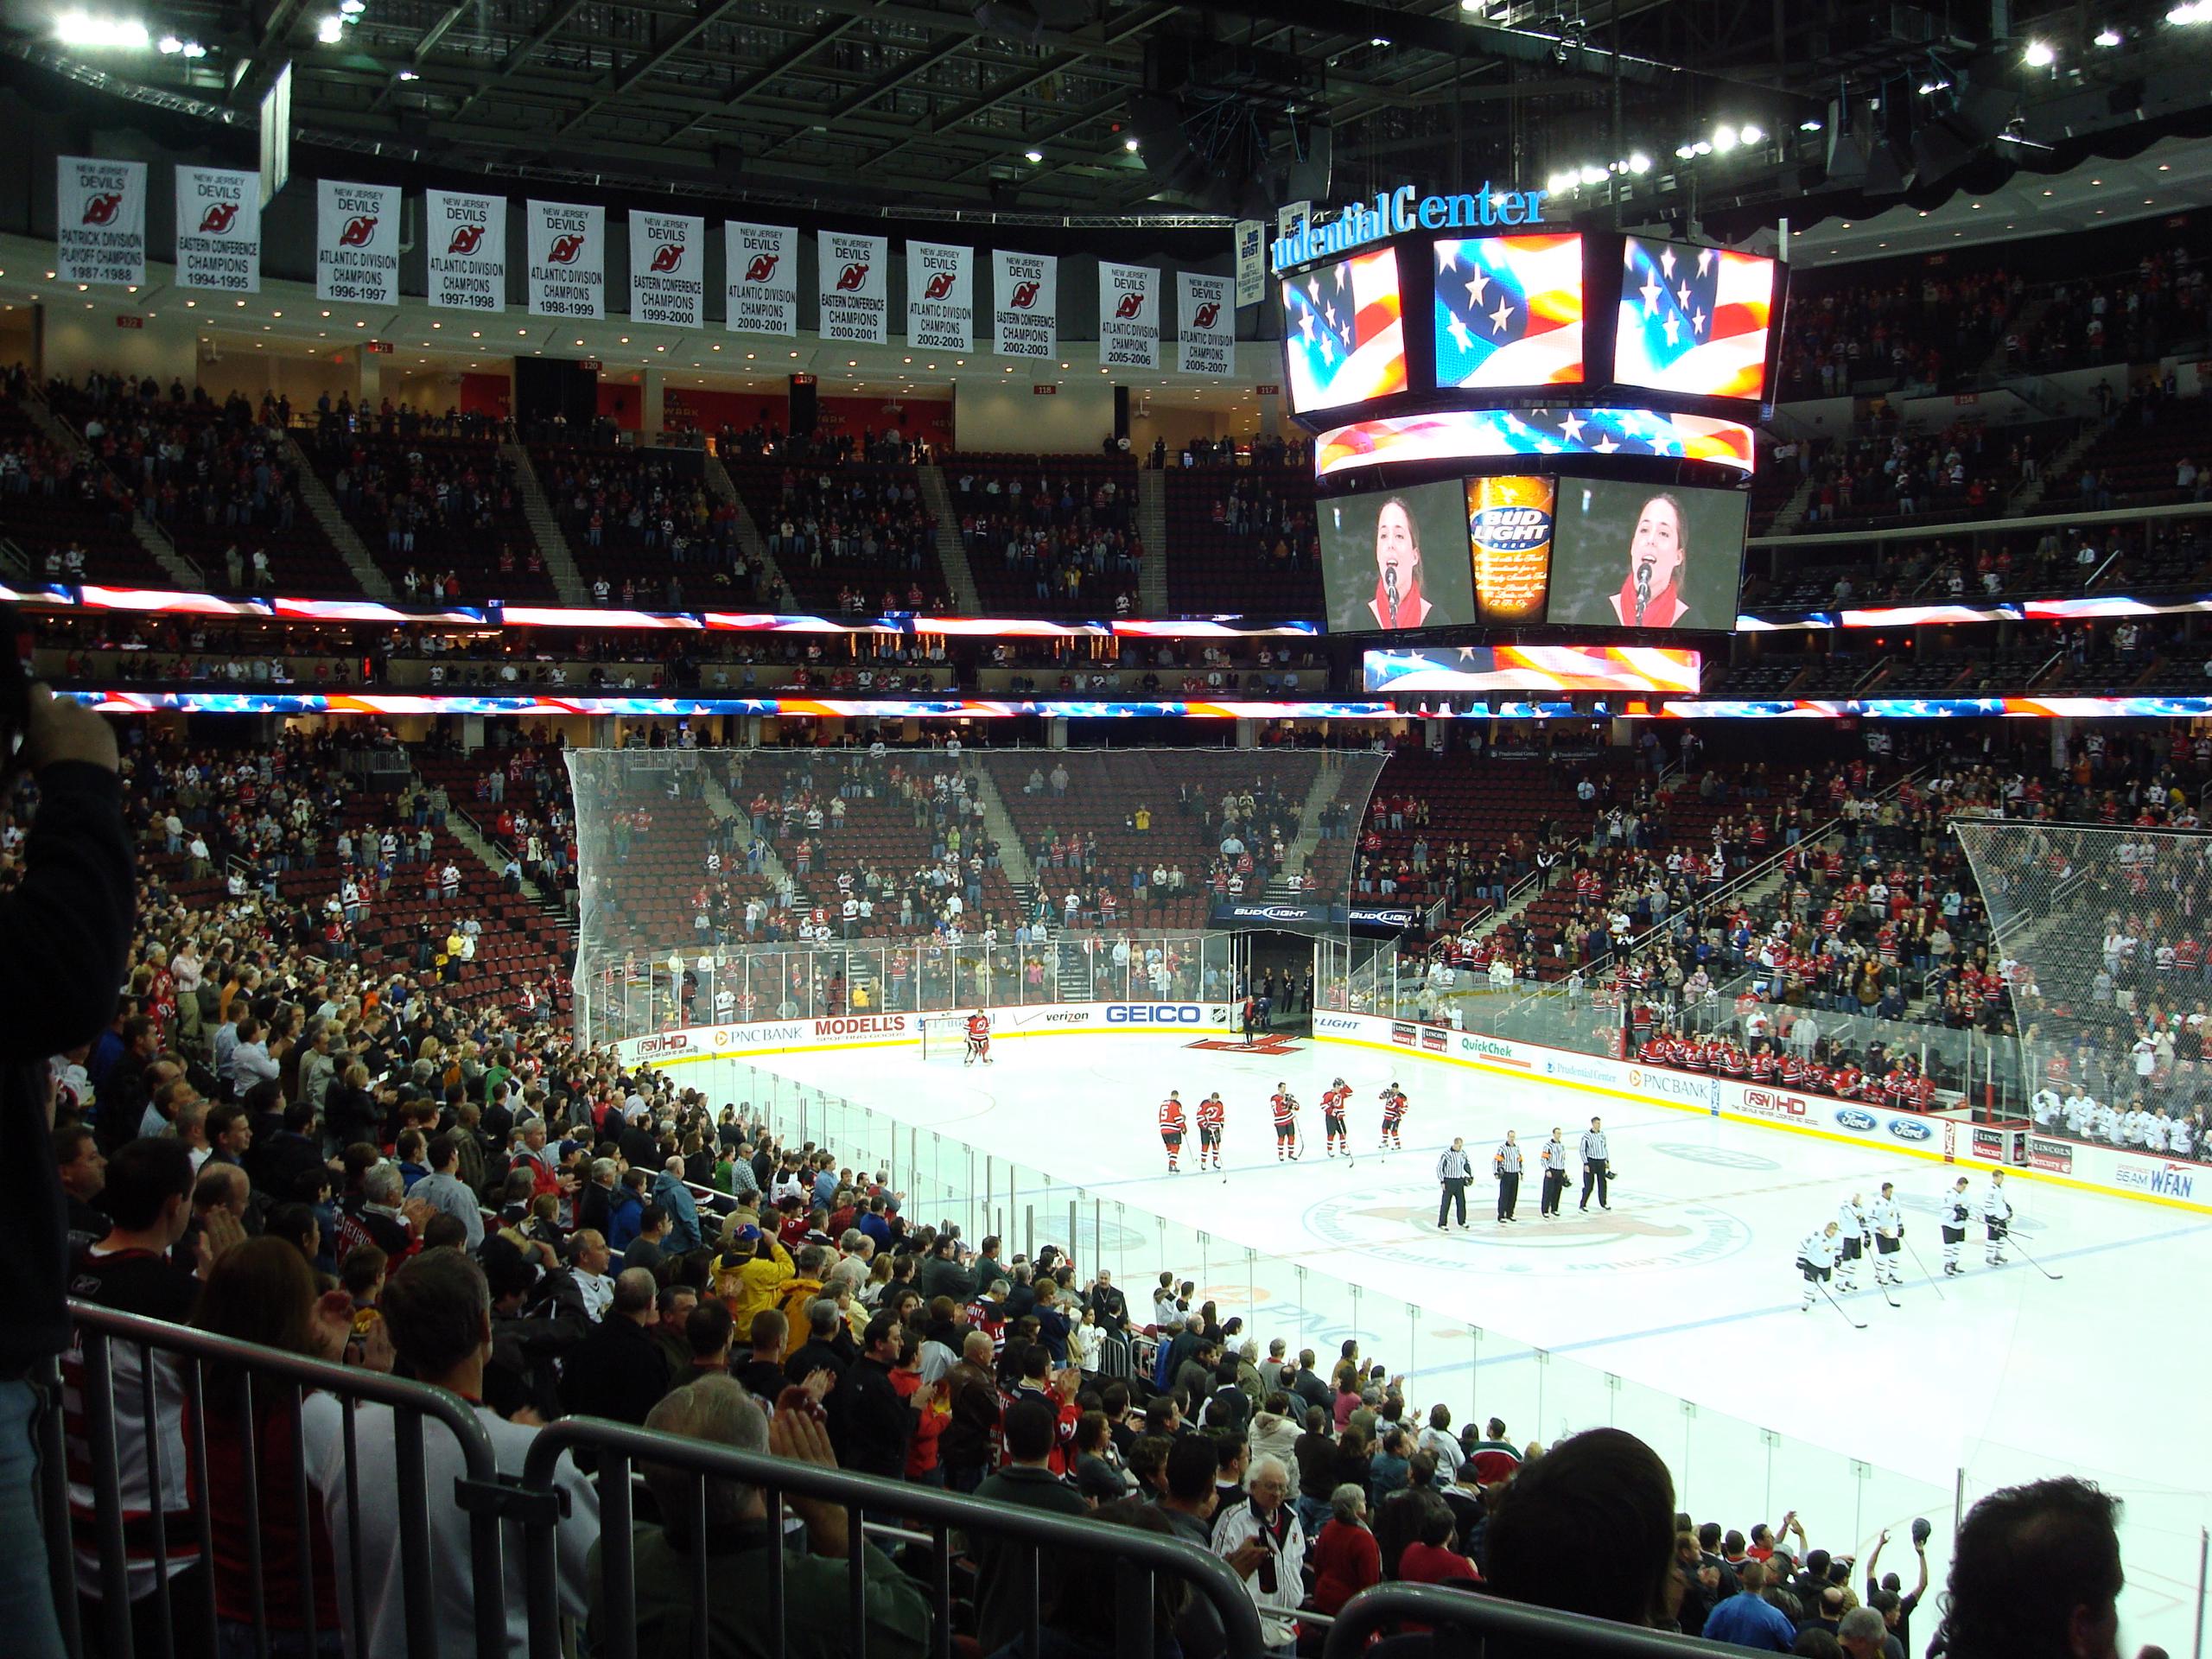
column 847, row 831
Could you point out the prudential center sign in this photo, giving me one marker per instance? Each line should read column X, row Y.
column 1394, row 213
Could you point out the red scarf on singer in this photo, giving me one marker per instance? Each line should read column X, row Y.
column 1662, row 612
column 1409, row 604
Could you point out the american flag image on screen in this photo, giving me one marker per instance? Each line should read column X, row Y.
column 1509, row 311
column 1344, row 337
column 1694, row 320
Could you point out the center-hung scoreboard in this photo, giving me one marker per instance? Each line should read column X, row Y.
column 1525, row 428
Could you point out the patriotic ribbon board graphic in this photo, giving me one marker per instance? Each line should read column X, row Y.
column 1509, row 311
column 1533, row 668
column 1343, row 333
column 1492, row 434
column 1693, row 321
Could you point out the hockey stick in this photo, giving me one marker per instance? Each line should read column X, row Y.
column 2029, row 1260
column 1921, row 1267
column 1856, row 1324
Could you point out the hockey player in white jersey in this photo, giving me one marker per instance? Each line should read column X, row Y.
column 2108, row 1127
column 1816, row 1261
column 2045, row 1106
column 2157, row 1127
column 2179, row 1137
column 1996, row 1216
column 1886, row 1216
column 2081, row 1113
column 1853, row 1237
column 1956, row 1212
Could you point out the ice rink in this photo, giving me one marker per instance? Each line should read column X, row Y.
column 1686, row 1292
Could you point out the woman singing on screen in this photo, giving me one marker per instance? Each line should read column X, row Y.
column 1397, row 602
column 1650, row 595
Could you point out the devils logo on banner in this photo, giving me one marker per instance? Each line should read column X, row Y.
column 1205, row 325
column 667, row 269
column 1025, row 305
column 1128, row 316
column 568, row 260
column 760, row 292
column 100, row 214
column 357, row 242
column 853, row 292
column 940, row 298
column 465, row 237
column 218, row 230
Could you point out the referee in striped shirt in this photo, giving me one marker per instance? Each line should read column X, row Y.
column 1597, row 1168
column 1455, row 1169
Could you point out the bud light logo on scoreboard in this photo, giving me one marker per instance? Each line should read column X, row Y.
column 1509, row 529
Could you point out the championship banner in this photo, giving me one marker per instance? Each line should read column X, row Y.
column 854, row 296
column 761, row 290
column 940, row 298
column 1251, row 261
column 219, row 229
column 667, row 269
column 1025, row 305
column 568, row 260
column 1205, row 325
column 100, row 221
column 465, row 238
column 357, row 242
column 1128, row 316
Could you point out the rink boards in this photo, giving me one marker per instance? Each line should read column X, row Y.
column 2171, row 1182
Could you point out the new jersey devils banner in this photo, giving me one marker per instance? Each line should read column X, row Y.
column 1128, row 316
column 1205, row 325
column 357, row 242
column 100, row 214
column 1025, row 304
column 855, row 298
column 667, row 269
column 568, row 260
column 761, row 290
column 465, row 237
column 218, row 230
column 940, row 298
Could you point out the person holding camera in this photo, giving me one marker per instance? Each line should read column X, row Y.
column 65, row 937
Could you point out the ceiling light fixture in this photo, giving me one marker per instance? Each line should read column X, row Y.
column 2039, row 55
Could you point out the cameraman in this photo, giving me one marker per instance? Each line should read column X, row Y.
column 65, row 938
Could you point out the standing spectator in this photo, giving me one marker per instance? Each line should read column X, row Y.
column 2035, row 1574
column 1027, row 1482
column 1264, row 1546
column 1346, row 1559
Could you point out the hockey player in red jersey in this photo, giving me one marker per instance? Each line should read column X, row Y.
column 1333, row 1103
column 1285, row 1105
column 979, row 1038
column 1394, row 1114
column 1171, row 1128
column 1212, row 1116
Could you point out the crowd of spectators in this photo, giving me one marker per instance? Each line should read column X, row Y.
column 1064, row 542
column 863, row 539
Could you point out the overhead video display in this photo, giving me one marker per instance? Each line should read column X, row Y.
column 1629, row 556
column 1694, row 321
column 1509, row 311
column 1343, row 333
column 1489, row 434
column 1397, row 559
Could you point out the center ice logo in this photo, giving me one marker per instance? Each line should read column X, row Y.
column 1397, row 1224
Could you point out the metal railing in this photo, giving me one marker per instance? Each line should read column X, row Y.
column 119, row 1411
column 1462, row 1621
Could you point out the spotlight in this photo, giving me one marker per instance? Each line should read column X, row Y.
column 1809, row 124
column 1683, row 152
column 1639, row 164
column 77, row 28
column 1724, row 139
column 1752, row 135
column 1593, row 175
column 331, row 30
column 1032, row 156
column 2039, row 55
column 2107, row 37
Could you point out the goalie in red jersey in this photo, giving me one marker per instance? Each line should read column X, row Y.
column 979, row 1038
column 1171, row 1128
column 1333, row 1103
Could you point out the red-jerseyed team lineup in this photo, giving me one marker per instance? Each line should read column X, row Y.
column 1213, row 1116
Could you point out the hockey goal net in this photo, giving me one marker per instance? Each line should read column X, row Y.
column 944, row 1036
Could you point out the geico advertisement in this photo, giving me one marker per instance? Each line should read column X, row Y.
column 876, row 1029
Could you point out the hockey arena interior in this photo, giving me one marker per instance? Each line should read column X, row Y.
column 1412, row 793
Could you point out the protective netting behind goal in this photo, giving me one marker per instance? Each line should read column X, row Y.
column 718, row 887
column 2101, row 934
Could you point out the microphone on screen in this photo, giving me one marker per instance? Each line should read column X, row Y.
column 1390, row 594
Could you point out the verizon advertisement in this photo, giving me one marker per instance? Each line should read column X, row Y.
column 100, row 221
column 568, row 260
column 877, row 1030
column 855, row 295
column 1025, row 305
column 218, row 230
column 465, row 237
column 940, row 298
column 760, row 293
column 1943, row 1139
column 1128, row 316
column 357, row 242
column 667, row 269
